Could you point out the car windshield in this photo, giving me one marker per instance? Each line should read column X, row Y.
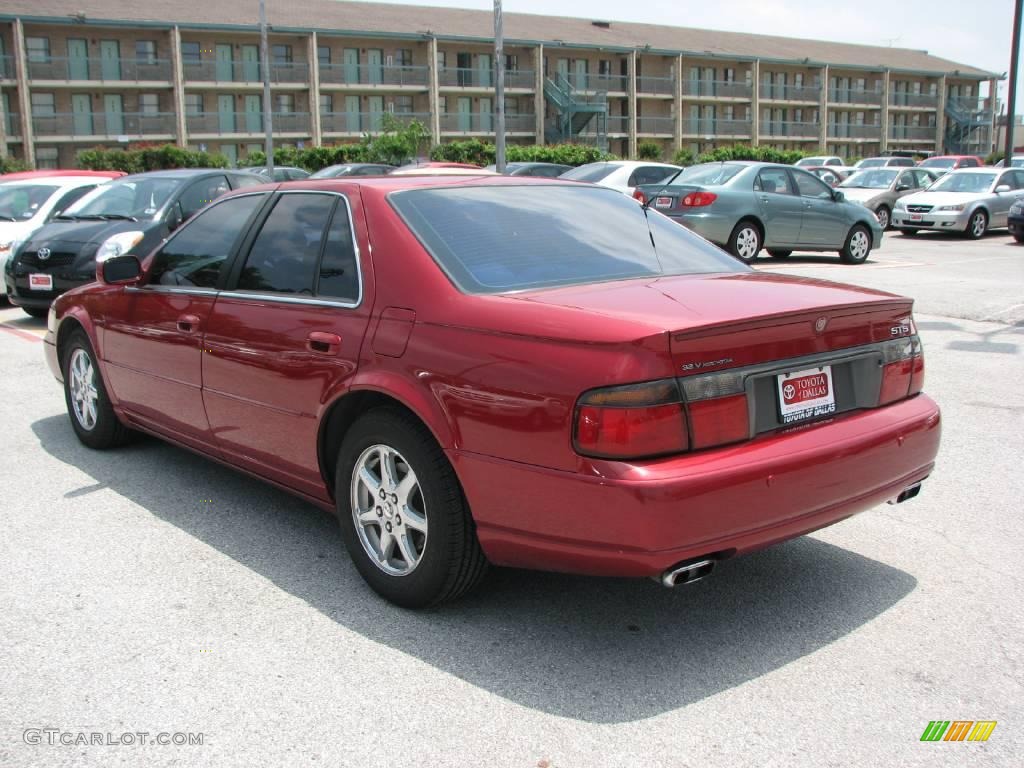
column 591, row 172
column 939, row 162
column 708, row 174
column 510, row 238
column 20, row 202
column 964, row 182
column 137, row 198
column 877, row 162
column 880, row 179
column 810, row 161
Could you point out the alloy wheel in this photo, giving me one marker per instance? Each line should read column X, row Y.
column 859, row 245
column 883, row 218
column 978, row 224
column 84, row 397
column 747, row 243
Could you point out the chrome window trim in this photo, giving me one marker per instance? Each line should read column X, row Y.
column 284, row 298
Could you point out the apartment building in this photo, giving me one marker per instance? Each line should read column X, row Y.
column 101, row 72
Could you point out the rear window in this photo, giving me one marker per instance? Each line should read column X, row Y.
column 592, row 172
column 716, row 173
column 509, row 238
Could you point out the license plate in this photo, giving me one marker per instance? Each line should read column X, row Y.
column 39, row 282
column 916, row 216
column 806, row 394
column 663, row 202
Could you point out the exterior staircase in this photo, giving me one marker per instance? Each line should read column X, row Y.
column 968, row 125
column 578, row 118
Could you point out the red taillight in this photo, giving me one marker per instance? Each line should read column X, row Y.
column 698, row 199
column 719, row 421
column 632, row 422
column 902, row 369
column 638, row 195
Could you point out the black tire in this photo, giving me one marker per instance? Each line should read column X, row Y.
column 909, row 232
column 1018, row 237
column 977, row 225
column 450, row 559
column 884, row 216
column 777, row 254
column 107, row 431
column 857, row 246
column 746, row 241
column 36, row 311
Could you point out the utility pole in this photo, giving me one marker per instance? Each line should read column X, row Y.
column 499, row 87
column 268, row 139
column 1011, row 97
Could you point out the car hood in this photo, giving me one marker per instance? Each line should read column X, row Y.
column 942, row 198
column 82, row 232
column 861, row 195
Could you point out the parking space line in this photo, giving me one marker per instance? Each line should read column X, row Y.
column 20, row 333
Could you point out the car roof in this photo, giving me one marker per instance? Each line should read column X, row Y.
column 983, row 169
column 180, row 173
column 426, row 180
column 56, row 181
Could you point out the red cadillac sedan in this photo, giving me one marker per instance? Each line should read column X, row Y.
column 475, row 370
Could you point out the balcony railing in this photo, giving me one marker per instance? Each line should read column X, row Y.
column 248, row 71
column 716, row 89
column 912, row 132
column 6, row 67
column 853, row 96
column 778, row 92
column 925, row 100
column 220, row 123
column 12, row 124
column 656, row 125
column 585, row 81
column 658, row 85
column 706, row 126
column 112, row 124
column 104, row 70
column 790, row 128
column 371, row 74
column 474, row 122
column 847, row 131
column 618, row 124
column 365, row 122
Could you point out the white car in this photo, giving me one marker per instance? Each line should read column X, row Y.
column 28, row 204
column 884, row 162
column 970, row 201
column 623, row 175
column 821, row 160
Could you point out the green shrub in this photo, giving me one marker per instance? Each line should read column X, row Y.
column 12, row 165
column 142, row 158
column 994, row 157
column 648, row 150
column 747, row 152
column 483, row 153
column 683, row 157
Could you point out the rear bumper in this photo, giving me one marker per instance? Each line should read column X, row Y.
column 617, row 519
column 710, row 226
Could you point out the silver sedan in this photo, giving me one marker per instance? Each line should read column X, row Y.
column 880, row 188
column 970, row 201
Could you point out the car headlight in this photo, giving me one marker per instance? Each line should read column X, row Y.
column 900, row 205
column 118, row 245
column 959, row 207
column 7, row 247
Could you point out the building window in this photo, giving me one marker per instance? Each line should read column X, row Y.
column 43, row 105
column 403, row 57
column 145, row 51
column 442, row 59
column 323, row 55
column 47, row 157
column 729, row 74
column 281, row 54
column 284, row 103
column 604, row 67
column 149, row 103
column 860, row 84
column 512, row 106
column 442, row 104
column 193, row 103
column 403, row 105
column 511, row 62
column 38, row 49
column 190, row 53
column 326, row 103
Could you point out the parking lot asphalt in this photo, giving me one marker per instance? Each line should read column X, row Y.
column 148, row 590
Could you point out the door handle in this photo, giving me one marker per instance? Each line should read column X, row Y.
column 323, row 343
column 764, row 198
column 188, row 323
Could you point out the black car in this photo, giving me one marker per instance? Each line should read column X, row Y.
column 352, row 169
column 1015, row 220
column 280, row 173
column 547, row 170
column 127, row 215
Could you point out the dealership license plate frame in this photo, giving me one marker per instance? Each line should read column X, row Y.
column 40, row 281
column 805, row 409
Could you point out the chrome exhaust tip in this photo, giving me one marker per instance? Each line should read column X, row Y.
column 907, row 494
column 687, row 573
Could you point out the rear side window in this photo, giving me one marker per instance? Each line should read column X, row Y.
column 774, row 180
column 202, row 192
column 194, row 257
column 494, row 239
column 338, row 276
column 649, row 174
column 592, row 172
column 247, row 180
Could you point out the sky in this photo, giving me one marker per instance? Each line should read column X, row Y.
column 976, row 32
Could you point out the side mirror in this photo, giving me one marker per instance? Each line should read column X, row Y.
column 120, row 270
column 838, row 196
column 902, row 187
column 175, row 217
column 1002, row 188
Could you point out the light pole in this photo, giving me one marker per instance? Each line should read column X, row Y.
column 499, row 87
column 268, row 139
column 1011, row 97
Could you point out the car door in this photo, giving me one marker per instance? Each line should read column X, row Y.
column 824, row 223
column 152, row 337
column 1001, row 201
column 907, row 183
column 781, row 211
column 286, row 335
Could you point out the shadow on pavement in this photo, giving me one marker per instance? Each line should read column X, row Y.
column 597, row 650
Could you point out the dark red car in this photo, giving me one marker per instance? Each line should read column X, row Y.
column 469, row 371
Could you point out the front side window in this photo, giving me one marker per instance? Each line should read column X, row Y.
column 494, row 239
column 811, row 186
column 879, row 178
column 196, row 254
column 284, row 256
column 964, row 182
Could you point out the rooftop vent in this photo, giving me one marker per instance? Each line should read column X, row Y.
column 602, row 24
